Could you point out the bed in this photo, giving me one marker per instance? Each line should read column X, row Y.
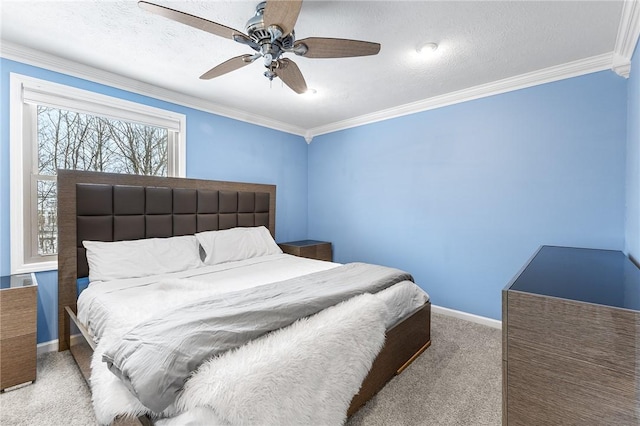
column 108, row 207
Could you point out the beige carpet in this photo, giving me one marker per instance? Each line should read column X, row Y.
column 457, row 381
column 58, row 397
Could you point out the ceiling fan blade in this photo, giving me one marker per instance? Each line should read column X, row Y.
column 320, row 47
column 191, row 20
column 283, row 13
column 228, row 66
column 290, row 74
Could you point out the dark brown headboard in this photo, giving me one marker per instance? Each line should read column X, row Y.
column 115, row 207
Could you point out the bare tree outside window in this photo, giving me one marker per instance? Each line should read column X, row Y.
column 74, row 140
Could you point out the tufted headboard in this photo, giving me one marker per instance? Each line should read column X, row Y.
column 116, row 207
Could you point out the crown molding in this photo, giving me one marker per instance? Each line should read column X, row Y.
column 621, row 66
column 40, row 59
column 627, row 38
column 546, row 75
column 593, row 64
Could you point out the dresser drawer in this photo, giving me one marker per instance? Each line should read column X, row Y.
column 547, row 388
column 18, row 360
column 17, row 312
column 593, row 333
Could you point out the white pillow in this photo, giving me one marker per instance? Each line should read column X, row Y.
column 141, row 258
column 236, row 244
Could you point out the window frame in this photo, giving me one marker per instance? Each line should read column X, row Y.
column 25, row 94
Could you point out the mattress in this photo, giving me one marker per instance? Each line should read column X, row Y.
column 119, row 304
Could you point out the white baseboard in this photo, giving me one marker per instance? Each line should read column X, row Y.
column 52, row 345
column 466, row 316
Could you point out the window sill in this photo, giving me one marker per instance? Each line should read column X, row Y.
column 35, row 267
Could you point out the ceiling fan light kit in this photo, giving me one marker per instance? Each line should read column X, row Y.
column 270, row 33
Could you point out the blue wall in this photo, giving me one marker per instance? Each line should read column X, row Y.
column 632, row 243
column 217, row 148
column 461, row 196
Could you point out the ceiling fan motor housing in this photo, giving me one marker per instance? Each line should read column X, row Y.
column 270, row 46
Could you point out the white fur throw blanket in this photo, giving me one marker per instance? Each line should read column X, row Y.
column 306, row 373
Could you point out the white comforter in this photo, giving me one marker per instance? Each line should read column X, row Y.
column 110, row 309
column 125, row 303
column 303, row 374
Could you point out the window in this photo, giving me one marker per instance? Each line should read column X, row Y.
column 59, row 127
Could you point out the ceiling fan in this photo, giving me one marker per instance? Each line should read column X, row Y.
column 270, row 33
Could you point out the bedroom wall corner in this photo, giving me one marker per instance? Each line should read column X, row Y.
column 632, row 213
column 253, row 154
column 47, row 298
column 217, row 148
column 5, row 242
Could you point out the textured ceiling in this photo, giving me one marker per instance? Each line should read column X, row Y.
column 480, row 42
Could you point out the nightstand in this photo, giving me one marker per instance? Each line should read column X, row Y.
column 311, row 249
column 18, row 313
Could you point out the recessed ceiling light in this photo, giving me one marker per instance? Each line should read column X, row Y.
column 310, row 92
column 427, row 48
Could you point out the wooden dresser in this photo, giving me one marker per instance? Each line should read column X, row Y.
column 571, row 339
column 18, row 311
column 312, row 249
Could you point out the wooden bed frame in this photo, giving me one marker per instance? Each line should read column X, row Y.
column 404, row 342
